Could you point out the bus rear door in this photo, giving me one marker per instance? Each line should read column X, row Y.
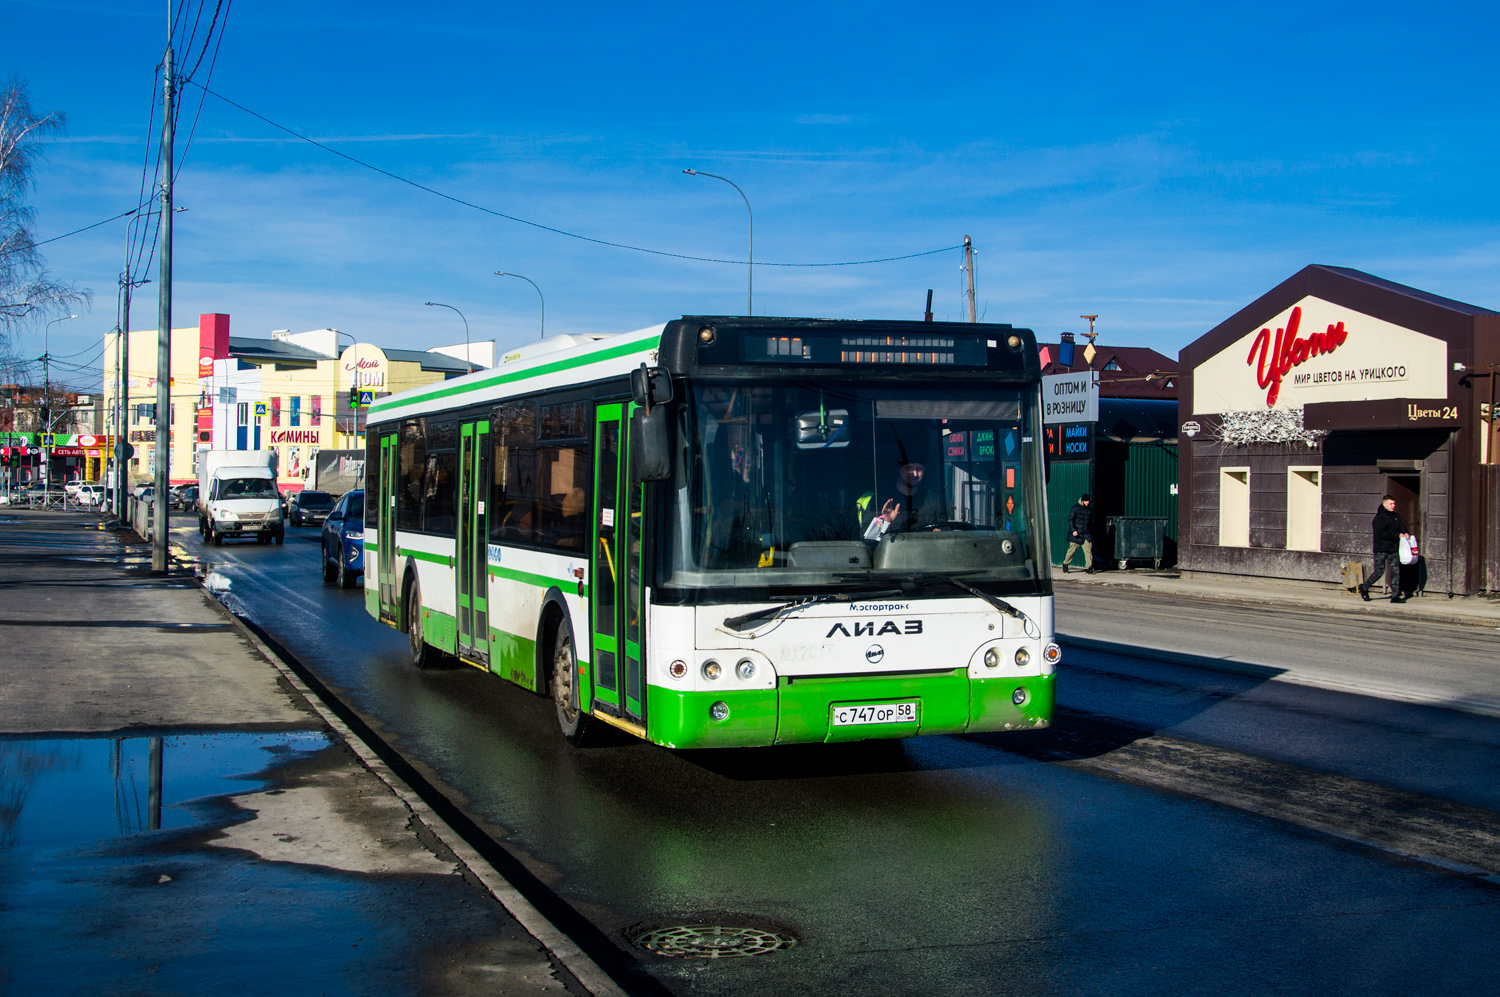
column 385, row 553
column 473, row 535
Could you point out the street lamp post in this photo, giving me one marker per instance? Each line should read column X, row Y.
column 505, row 273
column 750, row 296
column 46, row 420
column 439, row 304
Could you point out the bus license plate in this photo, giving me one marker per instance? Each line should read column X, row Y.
column 875, row 713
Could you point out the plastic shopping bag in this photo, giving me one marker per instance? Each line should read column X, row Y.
column 1409, row 550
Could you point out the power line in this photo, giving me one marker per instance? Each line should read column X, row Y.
column 546, row 228
column 106, row 221
column 182, row 160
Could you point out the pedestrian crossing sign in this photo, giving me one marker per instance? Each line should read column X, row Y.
column 366, row 398
column 47, row 440
column 260, row 409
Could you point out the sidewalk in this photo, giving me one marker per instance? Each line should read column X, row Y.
column 1434, row 606
column 177, row 817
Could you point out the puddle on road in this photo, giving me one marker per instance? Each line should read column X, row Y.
column 70, row 791
column 255, row 853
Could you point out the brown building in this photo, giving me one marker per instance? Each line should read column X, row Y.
column 1302, row 410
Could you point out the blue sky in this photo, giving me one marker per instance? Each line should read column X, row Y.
column 1160, row 167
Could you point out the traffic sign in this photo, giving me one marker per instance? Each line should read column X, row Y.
column 366, row 398
column 260, row 409
column 47, row 439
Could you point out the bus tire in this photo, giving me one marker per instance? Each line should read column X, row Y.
column 577, row 729
column 423, row 654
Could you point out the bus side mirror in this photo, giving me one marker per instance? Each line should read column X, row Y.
column 650, row 445
column 650, row 386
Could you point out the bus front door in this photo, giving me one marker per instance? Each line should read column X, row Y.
column 473, row 535
column 384, row 501
column 616, row 592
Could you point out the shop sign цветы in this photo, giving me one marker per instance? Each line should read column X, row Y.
column 1070, row 398
column 1317, row 351
column 1389, row 413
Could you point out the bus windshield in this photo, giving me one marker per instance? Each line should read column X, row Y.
column 835, row 483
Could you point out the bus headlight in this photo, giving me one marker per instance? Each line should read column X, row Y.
column 745, row 669
column 1019, row 697
column 1023, row 657
column 1052, row 654
column 719, row 711
column 992, row 658
column 677, row 669
column 712, row 670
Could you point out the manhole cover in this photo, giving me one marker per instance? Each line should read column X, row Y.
column 712, row 941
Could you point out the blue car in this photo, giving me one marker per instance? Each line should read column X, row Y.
column 344, row 540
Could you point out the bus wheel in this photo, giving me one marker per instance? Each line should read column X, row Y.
column 576, row 728
column 423, row 654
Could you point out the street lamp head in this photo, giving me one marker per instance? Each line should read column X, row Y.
column 691, row 173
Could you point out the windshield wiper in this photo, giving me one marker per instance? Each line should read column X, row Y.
column 1027, row 623
column 738, row 623
column 952, row 578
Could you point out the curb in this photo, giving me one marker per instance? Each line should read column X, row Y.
column 561, row 947
column 1422, row 615
column 1479, row 707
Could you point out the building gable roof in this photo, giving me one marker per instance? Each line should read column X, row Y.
column 1136, row 365
column 1408, row 307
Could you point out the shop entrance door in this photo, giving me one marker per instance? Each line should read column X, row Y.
column 1406, row 489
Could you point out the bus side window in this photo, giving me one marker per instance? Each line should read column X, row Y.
column 513, row 517
column 411, row 466
column 441, row 486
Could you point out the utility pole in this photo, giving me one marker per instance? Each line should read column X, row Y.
column 164, row 332
column 122, row 393
column 969, row 276
column 927, row 315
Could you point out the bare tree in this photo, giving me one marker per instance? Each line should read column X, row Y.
column 27, row 288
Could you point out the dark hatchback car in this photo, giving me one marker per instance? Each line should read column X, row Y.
column 344, row 541
column 309, row 508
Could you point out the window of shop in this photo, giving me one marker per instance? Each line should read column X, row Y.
column 276, row 411
column 316, row 403
column 242, row 414
column 1304, row 508
column 1234, row 507
column 296, row 411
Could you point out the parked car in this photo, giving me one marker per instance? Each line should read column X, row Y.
column 309, row 508
column 185, row 497
column 344, row 540
column 71, row 487
column 89, row 496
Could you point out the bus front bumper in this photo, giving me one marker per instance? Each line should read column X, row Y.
column 808, row 710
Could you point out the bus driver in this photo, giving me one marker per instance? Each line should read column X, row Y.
column 914, row 505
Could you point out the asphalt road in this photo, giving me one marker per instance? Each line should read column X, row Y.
column 1180, row 829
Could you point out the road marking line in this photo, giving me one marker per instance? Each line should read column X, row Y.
column 551, row 938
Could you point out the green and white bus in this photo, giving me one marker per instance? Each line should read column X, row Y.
column 730, row 531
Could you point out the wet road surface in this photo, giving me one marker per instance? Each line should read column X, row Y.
column 1179, row 830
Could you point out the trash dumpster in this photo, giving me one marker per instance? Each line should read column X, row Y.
column 1138, row 538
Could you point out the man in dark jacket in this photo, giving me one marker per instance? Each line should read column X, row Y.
column 1080, row 535
column 1388, row 531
